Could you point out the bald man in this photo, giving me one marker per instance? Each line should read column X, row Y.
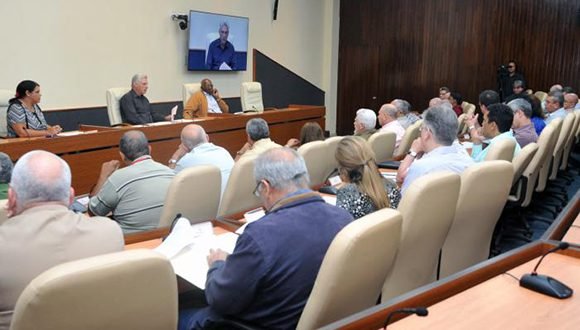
column 41, row 231
column 389, row 123
column 206, row 100
column 570, row 102
column 195, row 149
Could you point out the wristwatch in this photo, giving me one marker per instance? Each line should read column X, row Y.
column 172, row 161
column 412, row 153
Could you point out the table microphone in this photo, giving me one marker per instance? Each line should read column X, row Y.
column 545, row 284
column 420, row 311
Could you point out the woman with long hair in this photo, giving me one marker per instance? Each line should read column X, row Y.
column 311, row 131
column 364, row 190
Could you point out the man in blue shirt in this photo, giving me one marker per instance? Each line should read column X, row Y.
column 555, row 106
column 434, row 150
column 497, row 123
column 268, row 278
column 221, row 51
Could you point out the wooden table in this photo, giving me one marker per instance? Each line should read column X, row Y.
column 85, row 153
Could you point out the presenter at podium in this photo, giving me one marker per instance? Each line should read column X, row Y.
column 221, row 54
column 206, row 100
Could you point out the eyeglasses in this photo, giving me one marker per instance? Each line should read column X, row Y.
column 256, row 192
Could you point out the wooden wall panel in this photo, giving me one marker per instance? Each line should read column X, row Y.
column 409, row 48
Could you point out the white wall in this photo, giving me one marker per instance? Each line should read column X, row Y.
column 76, row 49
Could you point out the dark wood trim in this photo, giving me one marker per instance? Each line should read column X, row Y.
column 146, row 235
column 558, row 228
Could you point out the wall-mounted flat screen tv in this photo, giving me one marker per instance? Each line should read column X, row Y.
column 217, row 42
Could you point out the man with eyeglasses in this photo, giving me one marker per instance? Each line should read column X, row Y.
column 508, row 81
column 434, row 150
column 267, row 280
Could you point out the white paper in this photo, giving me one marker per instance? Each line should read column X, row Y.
column 335, row 180
column 224, row 67
column 84, row 201
column 389, row 175
column 191, row 263
column 173, row 113
column 74, row 133
column 329, row 199
column 183, row 235
column 250, row 217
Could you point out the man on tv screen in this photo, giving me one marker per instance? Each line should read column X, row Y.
column 221, row 52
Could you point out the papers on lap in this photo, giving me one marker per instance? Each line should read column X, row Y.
column 187, row 248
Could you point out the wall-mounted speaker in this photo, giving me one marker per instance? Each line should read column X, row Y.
column 275, row 13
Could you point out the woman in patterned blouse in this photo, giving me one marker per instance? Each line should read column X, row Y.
column 24, row 117
column 364, row 190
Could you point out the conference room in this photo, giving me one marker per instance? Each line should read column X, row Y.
column 288, row 64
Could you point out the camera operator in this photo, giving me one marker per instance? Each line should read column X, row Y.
column 507, row 75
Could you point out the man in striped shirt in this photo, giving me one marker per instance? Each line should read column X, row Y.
column 135, row 193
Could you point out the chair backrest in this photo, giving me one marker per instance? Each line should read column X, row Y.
column 523, row 159
column 461, row 125
column 239, row 192
column 501, row 150
column 188, row 90
column 354, row 269
column 5, row 96
column 411, row 133
column 383, row 145
column 541, row 95
column 185, row 196
column 469, row 109
column 332, row 145
column 484, row 190
column 558, row 151
column 319, row 162
column 428, row 208
column 545, row 169
column 532, row 171
column 251, row 96
column 112, row 291
column 570, row 141
column 113, row 108
column 3, row 211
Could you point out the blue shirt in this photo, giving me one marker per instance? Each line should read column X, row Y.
column 478, row 153
column 216, row 55
column 268, row 278
column 560, row 113
column 208, row 154
column 452, row 158
column 539, row 124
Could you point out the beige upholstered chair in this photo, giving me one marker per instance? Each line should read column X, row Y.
column 319, row 161
column 5, row 96
column 251, row 97
column 469, row 109
column 462, row 126
column 541, row 95
column 383, row 145
column 134, row 289
column 411, row 133
column 239, row 193
column 571, row 140
column 532, row 171
column 484, row 190
column 354, row 269
column 113, row 108
column 428, row 208
column 3, row 211
column 522, row 160
column 332, row 145
column 558, row 151
column 188, row 90
column 501, row 150
column 545, row 168
column 195, row 193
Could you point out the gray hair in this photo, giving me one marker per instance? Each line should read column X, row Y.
column 40, row 176
column 558, row 96
column 283, row 168
column 222, row 24
column 367, row 118
column 134, row 144
column 5, row 168
column 523, row 105
column 403, row 106
column 389, row 110
column 442, row 122
column 257, row 129
column 137, row 78
column 193, row 135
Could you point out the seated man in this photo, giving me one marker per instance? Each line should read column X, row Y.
column 5, row 173
column 134, row 194
column 434, row 150
column 258, row 137
column 195, row 149
column 364, row 123
column 523, row 127
column 41, row 231
column 206, row 100
column 388, row 121
column 570, row 102
column 496, row 127
column 266, row 281
column 405, row 116
column 135, row 107
column 221, row 54
column 555, row 106
column 444, row 93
